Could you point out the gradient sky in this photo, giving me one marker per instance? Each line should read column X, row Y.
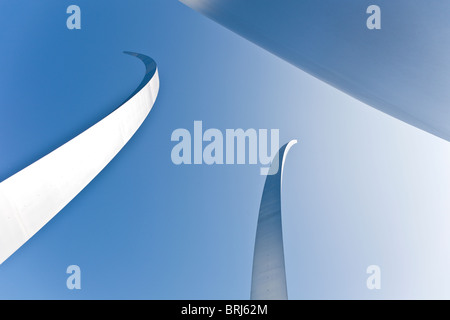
column 360, row 187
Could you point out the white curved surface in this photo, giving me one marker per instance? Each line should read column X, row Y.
column 33, row 196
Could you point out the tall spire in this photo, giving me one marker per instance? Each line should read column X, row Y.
column 33, row 196
column 269, row 275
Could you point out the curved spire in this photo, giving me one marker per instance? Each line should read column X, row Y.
column 269, row 275
column 401, row 69
column 33, row 196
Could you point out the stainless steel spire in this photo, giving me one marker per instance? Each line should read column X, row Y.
column 269, row 275
column 402, row 69
column 33, row 196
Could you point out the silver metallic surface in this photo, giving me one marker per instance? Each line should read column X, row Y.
column 402, row 69
column 269, row 275
column 33, row 196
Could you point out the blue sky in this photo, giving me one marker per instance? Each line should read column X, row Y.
column 360, row 188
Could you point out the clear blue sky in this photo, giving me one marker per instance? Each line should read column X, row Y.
column 361, row 188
